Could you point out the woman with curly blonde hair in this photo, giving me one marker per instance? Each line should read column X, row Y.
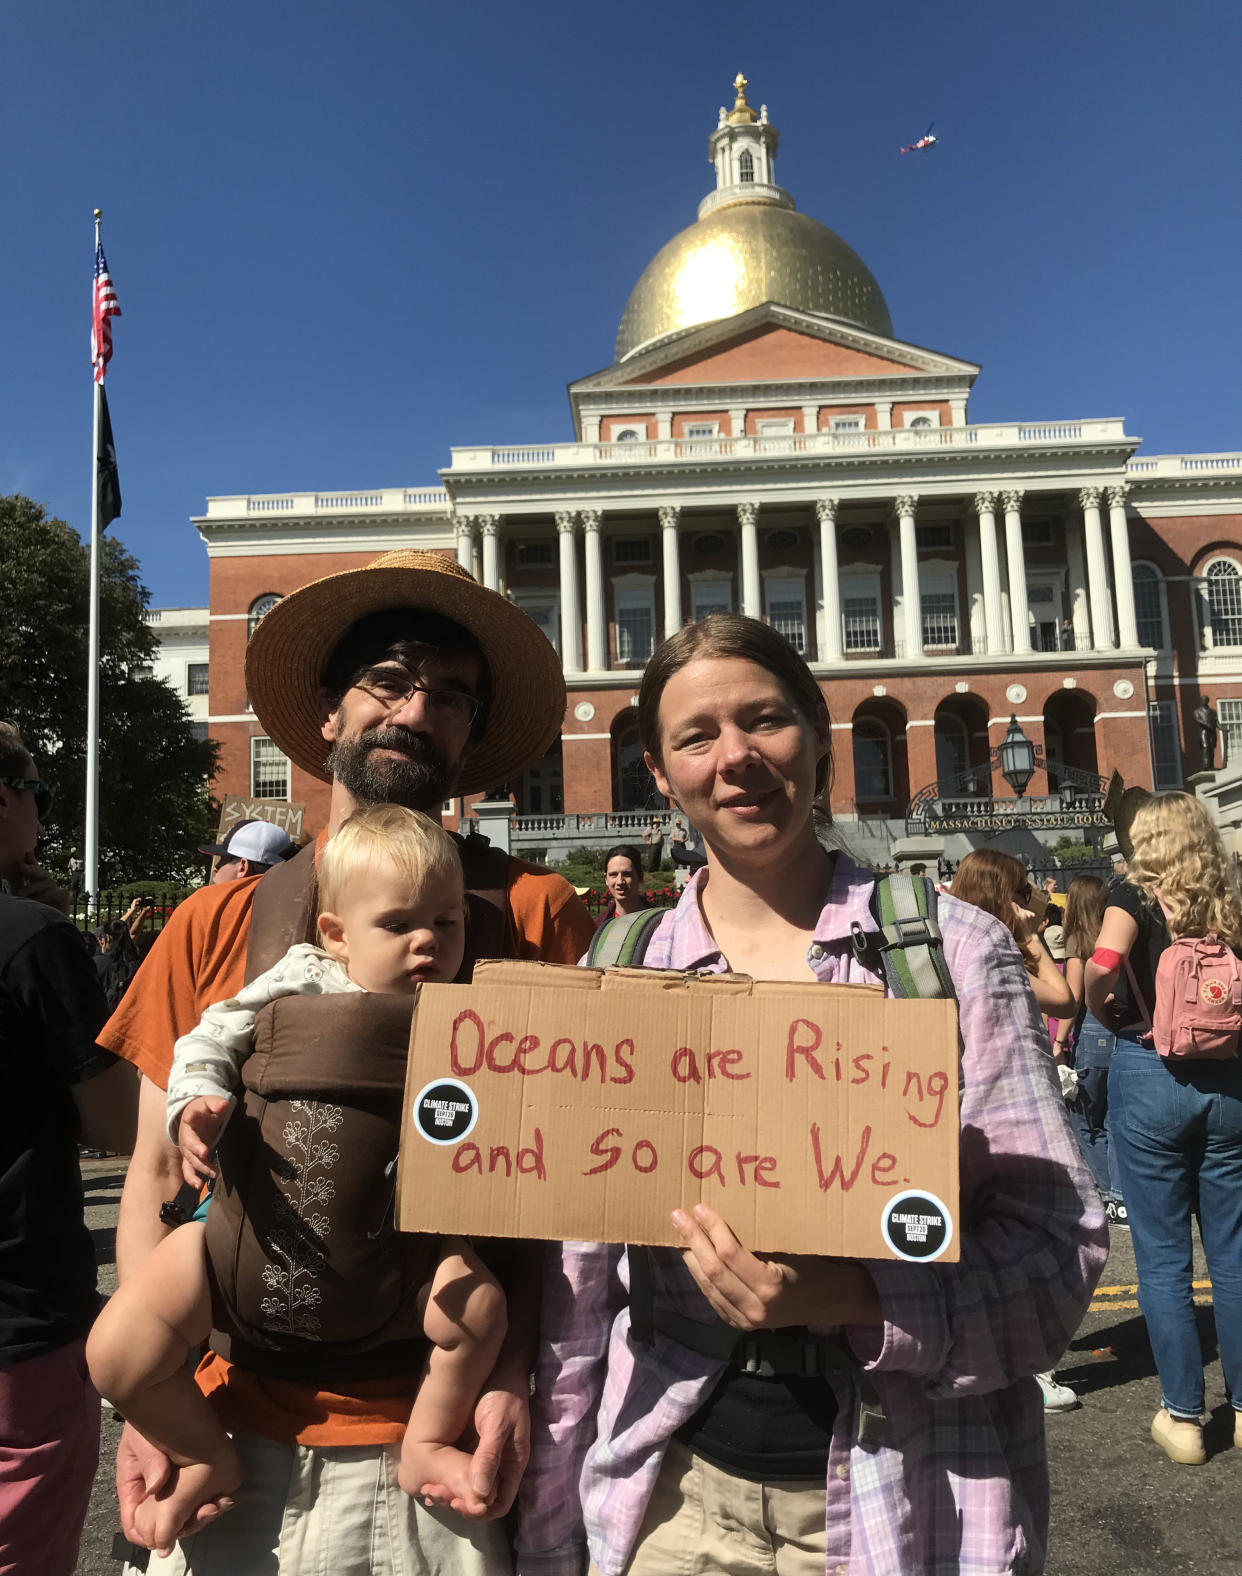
column 1176, row 1125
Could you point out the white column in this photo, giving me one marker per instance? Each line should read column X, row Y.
column 1123, row 573
column 490, row 526
column 1019, row 607
column 597, row 618
column 465, row 542
column 831, row 648
column 571, row 617
column 670, row 514
column 974, row 594
column 989, row 562
column 898, row 587
column 1102, row 638
column 748, row 519
column 1080, row 612
column 912, row 614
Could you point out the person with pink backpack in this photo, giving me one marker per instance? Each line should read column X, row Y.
column 1166, row 972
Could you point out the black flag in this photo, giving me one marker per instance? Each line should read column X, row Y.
column 106, row 478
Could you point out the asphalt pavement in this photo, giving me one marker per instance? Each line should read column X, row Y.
column 1119, row 1506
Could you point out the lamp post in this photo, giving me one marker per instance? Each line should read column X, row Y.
column 1017, row 758
column 1068, row 793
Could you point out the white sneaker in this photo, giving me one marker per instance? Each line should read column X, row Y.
column 1057, row 1397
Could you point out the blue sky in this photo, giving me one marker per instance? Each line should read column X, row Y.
column 345, row 238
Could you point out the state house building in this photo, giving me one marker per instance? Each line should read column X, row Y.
column 764, row 442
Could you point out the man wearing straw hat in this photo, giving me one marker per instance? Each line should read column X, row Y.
column 402, row 682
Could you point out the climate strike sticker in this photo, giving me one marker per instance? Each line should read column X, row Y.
column 917, row 1226
column 445, row 1111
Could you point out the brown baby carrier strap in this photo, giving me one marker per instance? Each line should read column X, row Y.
column 285, row 907
column 310, row 1280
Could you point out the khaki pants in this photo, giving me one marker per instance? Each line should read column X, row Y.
column 705, row 1522
column 332, row 1512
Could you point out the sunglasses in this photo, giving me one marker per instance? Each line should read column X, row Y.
column 42, row 791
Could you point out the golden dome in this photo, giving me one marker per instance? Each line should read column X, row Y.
column 740, row 255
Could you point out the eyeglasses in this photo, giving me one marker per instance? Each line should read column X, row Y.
column 42, row 791
column 393, row 687
column 1025, row 892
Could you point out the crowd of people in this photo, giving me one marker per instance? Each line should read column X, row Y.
column 540, row 1413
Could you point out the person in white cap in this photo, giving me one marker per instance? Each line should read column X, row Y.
column 250, row 849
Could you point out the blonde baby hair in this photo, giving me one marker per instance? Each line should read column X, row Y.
column 388, row 836
column 1179, row 858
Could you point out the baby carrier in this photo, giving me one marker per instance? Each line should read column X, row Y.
column 310, row 1280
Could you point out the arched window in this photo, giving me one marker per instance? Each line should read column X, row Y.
column 919, row 421
column 1149, row 606
column 873, row 760
column 746, row 167
column 626, row 435
column 952, row 753
column 1225, row 602
column 261, row 605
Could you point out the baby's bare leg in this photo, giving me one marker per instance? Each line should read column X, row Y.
column 465, row 1321
column 137, row 1353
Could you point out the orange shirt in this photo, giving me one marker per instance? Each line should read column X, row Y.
column 199, row 959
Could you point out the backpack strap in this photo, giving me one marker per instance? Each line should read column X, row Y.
column 622, row 942
column 489, row 933
column 283, row 911
column 909, row 947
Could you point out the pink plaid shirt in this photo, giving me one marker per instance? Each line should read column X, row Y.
column 959, row 1486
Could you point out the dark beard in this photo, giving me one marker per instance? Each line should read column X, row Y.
column 421, row 780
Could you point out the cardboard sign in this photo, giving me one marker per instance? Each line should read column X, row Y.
column 237, row 807
column 573, row 1104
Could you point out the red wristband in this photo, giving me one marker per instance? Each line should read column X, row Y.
column 1106, row 958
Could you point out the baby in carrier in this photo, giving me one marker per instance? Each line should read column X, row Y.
column 393, row 918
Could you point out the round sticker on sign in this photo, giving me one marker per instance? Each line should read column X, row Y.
column 917, row 1226
column 445, row 1111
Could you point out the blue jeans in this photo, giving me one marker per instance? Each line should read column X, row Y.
column 1177, row 1138
column 1093, row 1052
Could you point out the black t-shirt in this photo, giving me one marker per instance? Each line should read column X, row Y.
column 51, row 1008
column 1152, row 939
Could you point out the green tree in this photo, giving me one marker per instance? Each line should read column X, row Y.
column 154, row 803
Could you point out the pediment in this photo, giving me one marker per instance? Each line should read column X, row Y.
column 773, row 343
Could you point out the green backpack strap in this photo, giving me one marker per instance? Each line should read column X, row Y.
column 909, row 947
column 622, row 942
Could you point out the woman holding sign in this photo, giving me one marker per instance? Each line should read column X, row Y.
column 713, row 1409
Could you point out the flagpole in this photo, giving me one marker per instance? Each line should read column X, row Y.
column 91, row 872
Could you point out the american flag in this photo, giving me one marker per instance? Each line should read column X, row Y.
column 103, row 307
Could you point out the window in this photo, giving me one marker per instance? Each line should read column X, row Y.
column 536, row 555
column 709, row 545
column 952, row 753
column 635, row 625
column 782, row 541
column 938, row 603
column 1165, row 745
column 787, row 611
column 857, row 537
column 775, row 427
column 873, row 763
column 847, row 424
column 258, row 607
column 711, row 596
column 701, row 429
column 920, row 421
column 196, row 678
column 198, row 732
column 1037, row 533
column 631, row 550
column 1224, row 587
column 934, row 535
column 269, row 771
column 860, row 612
column 746, row 166
column 1229, row 715
column 1148, row 607
column 543, row 610
column 628, row 435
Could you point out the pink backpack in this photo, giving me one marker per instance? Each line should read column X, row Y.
column 1198, row 1000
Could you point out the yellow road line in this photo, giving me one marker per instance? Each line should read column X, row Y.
column 1108, row 1291
column 1109, row 1306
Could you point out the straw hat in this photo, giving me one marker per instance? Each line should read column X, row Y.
column 1121, row 805
column 292, row 643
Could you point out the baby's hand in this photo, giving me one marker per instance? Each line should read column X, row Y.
column 202, row 1122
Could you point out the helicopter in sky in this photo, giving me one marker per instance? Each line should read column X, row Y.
column 924, row 142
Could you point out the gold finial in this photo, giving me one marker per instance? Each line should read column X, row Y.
column 99, row 213
column 742, row 114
